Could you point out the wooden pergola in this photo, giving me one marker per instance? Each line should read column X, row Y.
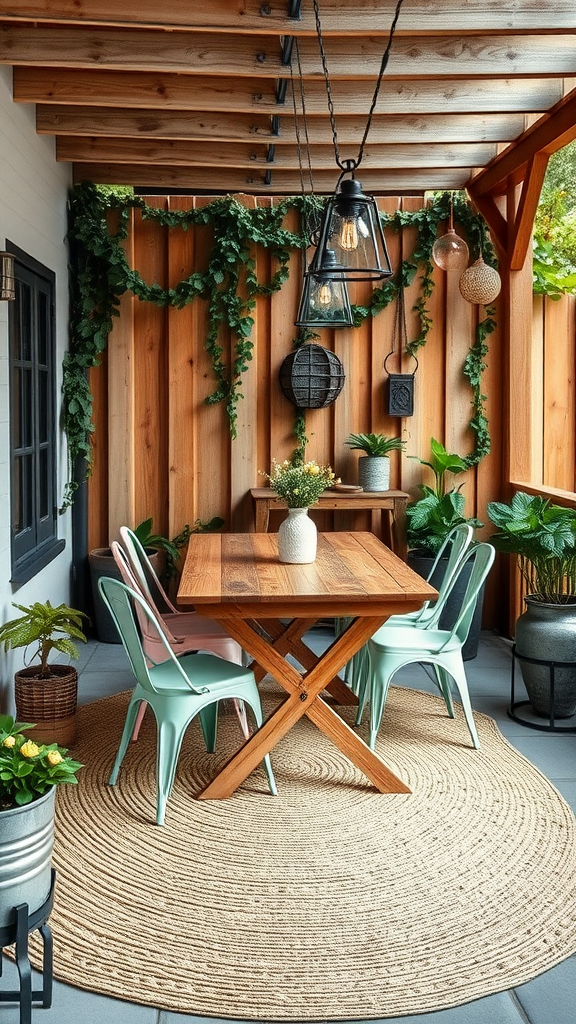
column 206, row 98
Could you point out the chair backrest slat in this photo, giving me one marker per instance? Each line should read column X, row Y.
column 143, row 569
column 483, row 555
column 458, row 540
column 121, row 601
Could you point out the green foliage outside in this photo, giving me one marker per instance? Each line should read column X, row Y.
column 555, row 227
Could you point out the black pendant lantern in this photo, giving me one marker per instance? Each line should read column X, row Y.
column 351, row 226
column 311, row 377
column 324, row 301
column 352, row 232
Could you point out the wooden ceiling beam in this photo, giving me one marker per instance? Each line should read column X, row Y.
column 194, row 154
column 157, row 176
column 366, row 17
column 173, row 124
column 550, row 133
column 418, row 57
column 166, row 91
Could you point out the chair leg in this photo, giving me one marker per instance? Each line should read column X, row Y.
column 170, row 735
column 139, row 720
column 242, row 718
column 380, row 676
column 209, row 725
column 443, row 683
column 131, row 715
column 256, row 708
column 456, row 670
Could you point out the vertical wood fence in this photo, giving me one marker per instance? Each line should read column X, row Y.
column 161, row 451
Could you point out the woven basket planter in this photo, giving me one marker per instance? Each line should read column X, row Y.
column 480, row 284
column 48, row 703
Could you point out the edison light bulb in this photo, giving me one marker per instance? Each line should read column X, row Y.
column 349, row 234
column 325, row 294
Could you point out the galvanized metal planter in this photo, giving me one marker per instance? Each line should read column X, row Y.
column 26, row 841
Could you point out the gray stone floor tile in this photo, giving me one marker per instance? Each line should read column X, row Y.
column 550, row 998
column 73, row 1004
column 497, row 1009
column 554, row 755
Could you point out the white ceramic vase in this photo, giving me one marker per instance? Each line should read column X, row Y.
column 297, row 537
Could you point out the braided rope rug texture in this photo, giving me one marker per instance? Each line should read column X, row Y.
column 330, row 901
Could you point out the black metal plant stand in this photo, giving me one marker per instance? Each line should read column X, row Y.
column 514, row 704
column 17, row 934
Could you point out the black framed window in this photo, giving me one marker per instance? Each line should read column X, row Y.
column 32, row 419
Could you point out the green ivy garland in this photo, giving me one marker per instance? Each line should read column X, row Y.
column 101, row 274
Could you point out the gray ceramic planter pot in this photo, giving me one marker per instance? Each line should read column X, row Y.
column 374, row 473
column 548, row 632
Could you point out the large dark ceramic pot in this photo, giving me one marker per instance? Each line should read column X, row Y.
column 452, row 608
column 548, row 632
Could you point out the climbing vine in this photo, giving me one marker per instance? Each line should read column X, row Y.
column 100, row 275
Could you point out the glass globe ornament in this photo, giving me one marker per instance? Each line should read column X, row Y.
column 450, row 252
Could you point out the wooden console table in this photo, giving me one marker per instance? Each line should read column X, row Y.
column 393, row 503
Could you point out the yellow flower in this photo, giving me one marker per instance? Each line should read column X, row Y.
column 54, row 757
column 10, row 741
column 29, row 749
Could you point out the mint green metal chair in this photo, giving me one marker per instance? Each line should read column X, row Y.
column 457, row 543
column 177, row 689
column 393, row 647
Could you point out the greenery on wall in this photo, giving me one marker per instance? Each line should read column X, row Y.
column 100, row 275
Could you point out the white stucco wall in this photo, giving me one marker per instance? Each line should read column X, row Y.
column 33, row 195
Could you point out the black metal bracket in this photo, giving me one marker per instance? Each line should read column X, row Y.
column 514, row 704
column 17, row 934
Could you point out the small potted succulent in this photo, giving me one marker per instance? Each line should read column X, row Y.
column 374, row 465
column 46, row 693
column 29, row 774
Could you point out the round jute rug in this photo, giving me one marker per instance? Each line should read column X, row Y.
column 330, row 901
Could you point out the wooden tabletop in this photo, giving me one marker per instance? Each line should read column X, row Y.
column 354, row 574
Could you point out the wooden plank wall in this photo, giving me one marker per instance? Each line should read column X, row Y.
column 161, row 451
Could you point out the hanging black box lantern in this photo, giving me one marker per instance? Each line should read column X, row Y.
column 401, row 394
column 311, row 377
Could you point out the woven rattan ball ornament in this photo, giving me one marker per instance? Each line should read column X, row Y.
column 480, row 283
column 450, row 252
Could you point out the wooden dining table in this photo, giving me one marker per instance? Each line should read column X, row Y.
column 268, row 606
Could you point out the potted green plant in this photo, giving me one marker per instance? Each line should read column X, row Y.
column 374, row 465
column 46, row 693
column 29, row 774
column 542, row 536
column 159, row 548
column 429, row 521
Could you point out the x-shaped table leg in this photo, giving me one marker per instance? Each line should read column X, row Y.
column 303, row 699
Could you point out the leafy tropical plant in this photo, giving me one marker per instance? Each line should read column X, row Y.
column 157, row 542
column 301, row 484
column 439, row 510
column 543, row 537
column 374, row 444
column 28, row 769
column 50, row 628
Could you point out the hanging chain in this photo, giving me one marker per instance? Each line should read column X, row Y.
column 351, row 165
column 308, row 229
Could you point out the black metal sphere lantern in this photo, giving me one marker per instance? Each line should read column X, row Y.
column 311, row 377
column 324, row 301
column 351, row 229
